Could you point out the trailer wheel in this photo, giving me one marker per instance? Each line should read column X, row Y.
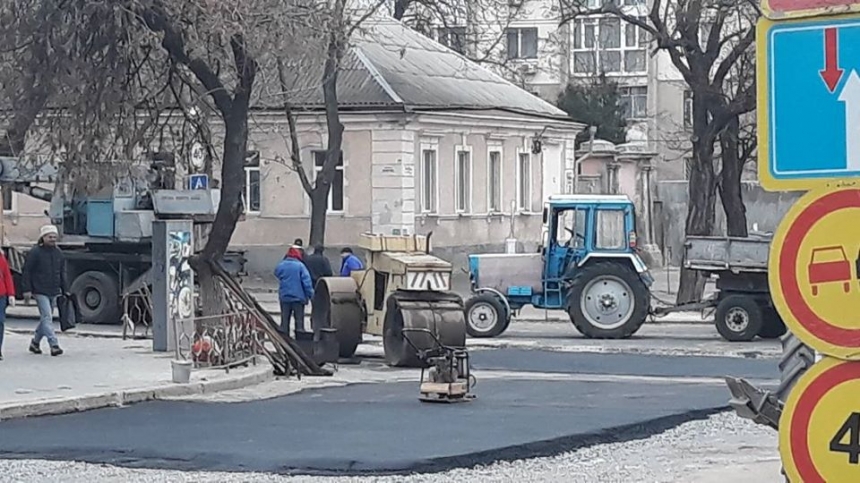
column 772, row 326
column 607, row 300
column 98, row 297
column 738, row 318
column 486, row 316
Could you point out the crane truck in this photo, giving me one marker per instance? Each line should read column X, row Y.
column 107, row 235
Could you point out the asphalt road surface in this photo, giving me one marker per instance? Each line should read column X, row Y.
column 382, row 428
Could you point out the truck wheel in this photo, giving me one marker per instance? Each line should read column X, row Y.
column 772, row 326
column 738, row 318
column 98, row 296
column 607, row 300
column 796, row 359
column 486, row 316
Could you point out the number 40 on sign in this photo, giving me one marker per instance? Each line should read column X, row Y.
column 819, row 432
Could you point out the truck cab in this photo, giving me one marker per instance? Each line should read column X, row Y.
column 587, row 264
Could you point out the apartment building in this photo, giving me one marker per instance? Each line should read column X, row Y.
column 523, row 41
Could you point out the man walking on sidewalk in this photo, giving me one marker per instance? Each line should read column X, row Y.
column 45, row 280
column 294, row 290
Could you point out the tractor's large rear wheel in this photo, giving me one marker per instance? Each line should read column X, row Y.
column 439, row 312
column 336, row 304
column 607, row 300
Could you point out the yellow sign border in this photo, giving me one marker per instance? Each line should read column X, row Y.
column 766, row 180
column 788, row 412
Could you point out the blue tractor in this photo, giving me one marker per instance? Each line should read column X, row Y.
column 587, row 265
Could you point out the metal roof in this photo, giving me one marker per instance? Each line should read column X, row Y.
column 389, row 65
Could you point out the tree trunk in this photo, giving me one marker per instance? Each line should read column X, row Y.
column 229, row 209
column 701, row 214
column 322, row 184
column 731, row 195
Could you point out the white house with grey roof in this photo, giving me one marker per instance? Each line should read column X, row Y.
column 432, row 142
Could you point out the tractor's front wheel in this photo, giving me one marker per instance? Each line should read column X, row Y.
column 486, row 316
column 607, row 300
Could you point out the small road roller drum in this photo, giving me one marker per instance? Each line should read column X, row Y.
column 440, row 312
column 336, row 304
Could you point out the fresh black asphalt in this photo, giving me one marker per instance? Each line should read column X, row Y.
column 629, row 364
column 383, row 428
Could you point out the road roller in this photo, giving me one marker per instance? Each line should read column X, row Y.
column 402, row 286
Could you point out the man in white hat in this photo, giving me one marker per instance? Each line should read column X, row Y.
column 45, row 279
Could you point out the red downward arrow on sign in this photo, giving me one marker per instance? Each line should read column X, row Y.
column 832, row 74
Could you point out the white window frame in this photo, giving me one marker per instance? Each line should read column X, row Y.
column 625, row 93
column 495, row 148
column 637, row 44
column 246, row 204
column 422, row 181
column 519, row 30
column 341, row 168
column 467, row 203
column 447, row 36
column 524, row 204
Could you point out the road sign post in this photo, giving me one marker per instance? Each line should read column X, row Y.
column 819, row 431
column 808, row 75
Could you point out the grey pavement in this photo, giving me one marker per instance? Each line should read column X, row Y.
column 97, row 373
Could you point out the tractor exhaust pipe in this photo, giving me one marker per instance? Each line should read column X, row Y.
column 427, row 251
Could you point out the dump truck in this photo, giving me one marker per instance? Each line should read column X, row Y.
column 403, row 286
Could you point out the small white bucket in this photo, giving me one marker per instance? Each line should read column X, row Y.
column 181, row 371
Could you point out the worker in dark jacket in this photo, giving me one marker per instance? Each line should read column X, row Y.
column 45, row 280
column 318, row 264
column 294, row 290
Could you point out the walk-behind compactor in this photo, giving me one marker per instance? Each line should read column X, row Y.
column 402, row 287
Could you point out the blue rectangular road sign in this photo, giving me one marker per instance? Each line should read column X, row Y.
column 198, row 182
column 809, row 102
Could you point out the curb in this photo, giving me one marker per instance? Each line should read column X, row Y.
column 262, row 373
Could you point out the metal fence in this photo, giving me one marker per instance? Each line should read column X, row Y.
column 219, row 341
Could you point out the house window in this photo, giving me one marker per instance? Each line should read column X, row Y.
column 494, row 190
column 252, row 200
column 429, row 177
column 522, row 43
column 524, row 182
column 8, row 199
column 688, row 108
column 453, row 37
column 634, row 100
column 335, row 194
column 601, row 45
column 464, row 181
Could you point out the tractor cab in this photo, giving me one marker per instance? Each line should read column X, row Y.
column 587, row 265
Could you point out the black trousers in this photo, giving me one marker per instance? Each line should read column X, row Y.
column 292, row 310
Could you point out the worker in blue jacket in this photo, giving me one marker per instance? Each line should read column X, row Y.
column 350, row 262
column 294, row 289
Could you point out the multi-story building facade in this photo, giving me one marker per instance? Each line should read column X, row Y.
column 524, row 41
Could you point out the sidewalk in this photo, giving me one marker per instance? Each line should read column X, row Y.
column 95, row 373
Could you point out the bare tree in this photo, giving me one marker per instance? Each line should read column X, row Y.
column 706, row 41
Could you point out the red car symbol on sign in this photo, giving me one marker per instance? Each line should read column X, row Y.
column 829, row 265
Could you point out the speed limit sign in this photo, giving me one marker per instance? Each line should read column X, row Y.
column 819, row 431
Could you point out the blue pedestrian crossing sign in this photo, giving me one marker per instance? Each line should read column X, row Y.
column 198, row 182
column 808, row 75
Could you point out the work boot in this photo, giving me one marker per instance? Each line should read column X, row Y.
column 56, row 351
column 34, row 348
column 1, row 356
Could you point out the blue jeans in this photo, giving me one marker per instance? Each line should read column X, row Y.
column 3, row 302
column 46, row 304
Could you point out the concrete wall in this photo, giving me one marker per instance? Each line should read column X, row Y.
column 763, row 208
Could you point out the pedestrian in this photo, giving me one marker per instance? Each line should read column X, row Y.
column 7, row 290
column 318, row 265
column 45, row 280
column 350, row 262
column 294, row 290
